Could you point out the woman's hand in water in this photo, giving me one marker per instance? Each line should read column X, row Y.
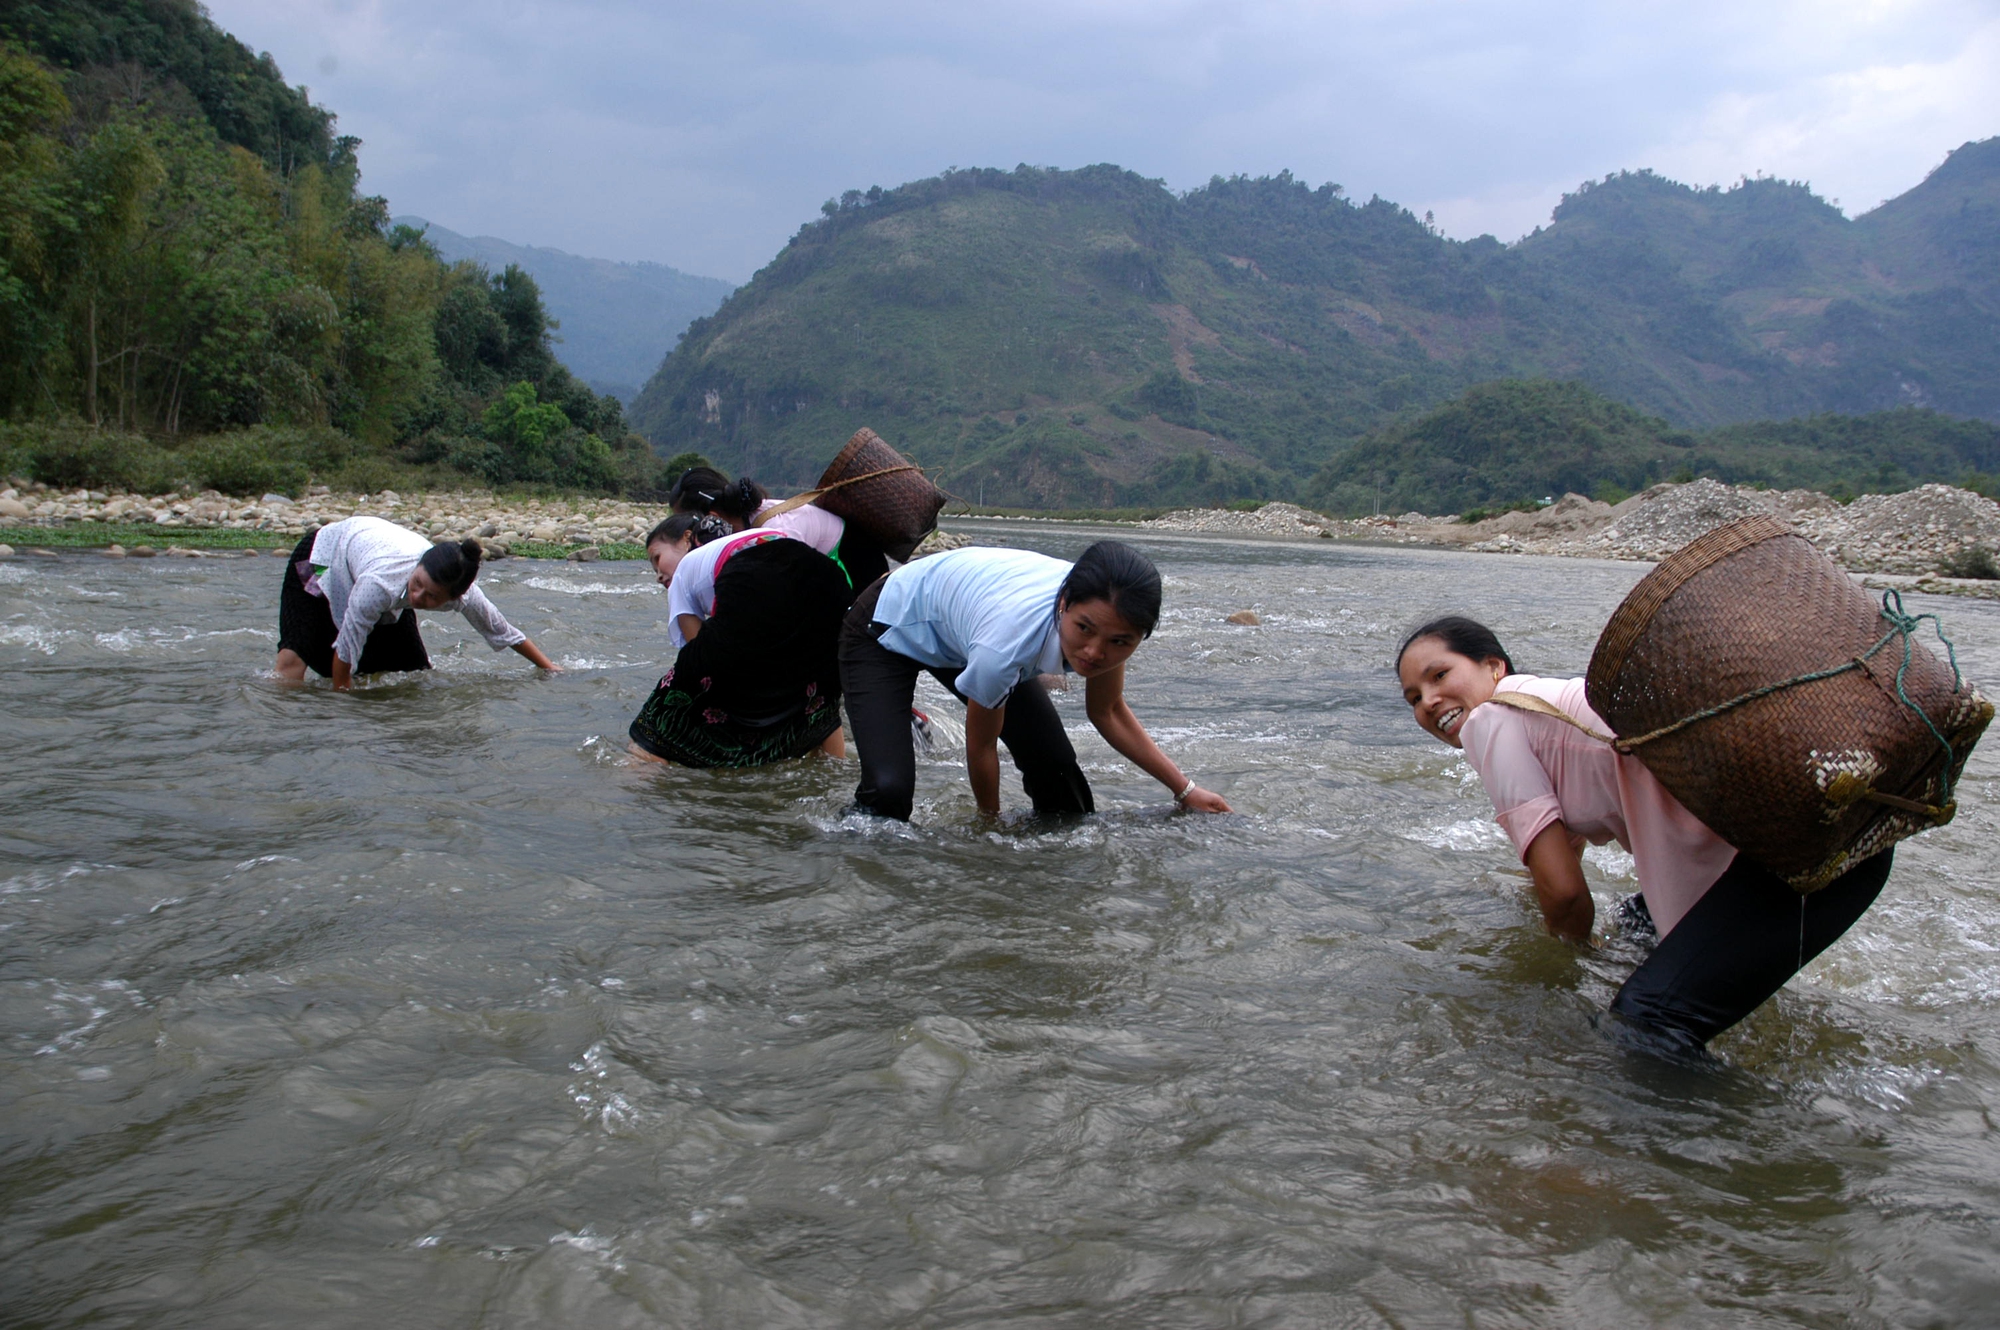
column 527, row 648
column 1199, row 800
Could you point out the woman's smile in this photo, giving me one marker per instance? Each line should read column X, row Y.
column 1442, row 686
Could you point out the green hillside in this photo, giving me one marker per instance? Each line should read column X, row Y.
column 1517, row 441
column 617, row 319
column 194, row 290
column 1088, row 337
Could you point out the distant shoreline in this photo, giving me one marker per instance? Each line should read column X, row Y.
column 1914, row 539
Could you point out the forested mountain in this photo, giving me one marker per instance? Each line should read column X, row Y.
column 1521, row 440
column 1088, row 337
column 617, row 320
column 194, row 289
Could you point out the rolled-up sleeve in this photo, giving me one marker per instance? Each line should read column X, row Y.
column 484, row 616
column 1524, row 797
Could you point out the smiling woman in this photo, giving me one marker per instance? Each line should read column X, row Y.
column 985, row 623
column 1731, row 932
column 350, row 596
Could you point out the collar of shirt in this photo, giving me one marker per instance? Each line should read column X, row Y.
column 1050, row 659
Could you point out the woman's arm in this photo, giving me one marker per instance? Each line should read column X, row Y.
column 343, row 675
column 690, row 625
column 982, row 754
column 1104, row 703
column 1560, row 890
column 527, row 647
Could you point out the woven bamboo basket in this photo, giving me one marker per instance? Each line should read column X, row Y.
column 871, row 486
column 1761, row 685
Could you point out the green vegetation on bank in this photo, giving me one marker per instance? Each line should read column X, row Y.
column 194, row 290
column 1512, row 443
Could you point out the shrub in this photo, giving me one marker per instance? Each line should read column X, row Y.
column 69, row 453
column 248, row 462
column 1972, row 561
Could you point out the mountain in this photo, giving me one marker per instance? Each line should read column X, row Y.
column 1519, row 440
column 618, row 319
column 1088, row 337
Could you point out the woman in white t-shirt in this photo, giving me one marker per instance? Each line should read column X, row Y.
column 756, row 615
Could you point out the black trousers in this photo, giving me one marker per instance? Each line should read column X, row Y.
column 1738, row 945
column 879, row 685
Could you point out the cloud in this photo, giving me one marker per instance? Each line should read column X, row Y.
column 702, row 136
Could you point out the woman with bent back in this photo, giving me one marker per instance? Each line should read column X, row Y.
column 986, row 623
column 743, row 503
column 350, row 596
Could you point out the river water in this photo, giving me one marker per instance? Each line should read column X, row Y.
column 422, row 1006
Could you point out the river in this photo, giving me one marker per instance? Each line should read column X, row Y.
column 423, row 1006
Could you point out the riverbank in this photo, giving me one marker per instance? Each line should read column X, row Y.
column 1919, row 537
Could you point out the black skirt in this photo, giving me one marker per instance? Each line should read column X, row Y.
column 306, row 627
column 761, row 682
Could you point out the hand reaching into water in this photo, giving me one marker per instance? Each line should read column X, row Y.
column 1199, row 800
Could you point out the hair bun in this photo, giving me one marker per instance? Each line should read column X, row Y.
column 472, row 551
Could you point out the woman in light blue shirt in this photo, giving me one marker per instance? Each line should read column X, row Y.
column 985, row 623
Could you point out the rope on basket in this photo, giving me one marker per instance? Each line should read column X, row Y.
column 1901, row 625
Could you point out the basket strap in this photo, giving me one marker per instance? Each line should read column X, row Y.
column 801, row 500
column 1529, row 702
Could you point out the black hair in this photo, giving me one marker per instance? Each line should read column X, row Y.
column 1468, row 637
column 452, row 565
column 700, row 526
column 1115, row 572
column 703, row 489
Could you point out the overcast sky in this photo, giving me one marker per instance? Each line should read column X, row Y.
column 702, row 135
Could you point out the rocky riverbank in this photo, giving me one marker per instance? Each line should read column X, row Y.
column 1923, row 534
column 501, row 524
column 581, row 528
column 1917, row 537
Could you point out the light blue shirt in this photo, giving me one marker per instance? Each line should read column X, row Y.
column 990, row 613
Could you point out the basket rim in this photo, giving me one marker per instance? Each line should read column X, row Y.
column 1629, row 621
column 860, row 439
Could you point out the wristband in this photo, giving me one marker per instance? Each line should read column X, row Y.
column 1186, row 790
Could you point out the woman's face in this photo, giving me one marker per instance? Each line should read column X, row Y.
column 1442, row 686
column 426, row 594
column 666, row 555
column 1095, row 638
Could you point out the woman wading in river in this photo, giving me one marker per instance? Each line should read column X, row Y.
column 350, row 596
column 1730, row 932
column 743, row 504
column 756, row 615
column 986, row 623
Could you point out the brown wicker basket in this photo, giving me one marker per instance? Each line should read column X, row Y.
column 1758, row 682
column 873, row 487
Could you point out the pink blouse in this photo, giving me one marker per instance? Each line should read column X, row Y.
column 1537, row 770
column 808, row 522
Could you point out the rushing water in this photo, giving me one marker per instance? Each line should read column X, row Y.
column 422, row 1006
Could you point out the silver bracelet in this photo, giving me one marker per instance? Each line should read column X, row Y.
column 1186, row 790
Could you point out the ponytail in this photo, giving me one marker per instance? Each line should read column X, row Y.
column 703, row 489
column 452, row 565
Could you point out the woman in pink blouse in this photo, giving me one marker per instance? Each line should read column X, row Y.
column 1730, row 932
